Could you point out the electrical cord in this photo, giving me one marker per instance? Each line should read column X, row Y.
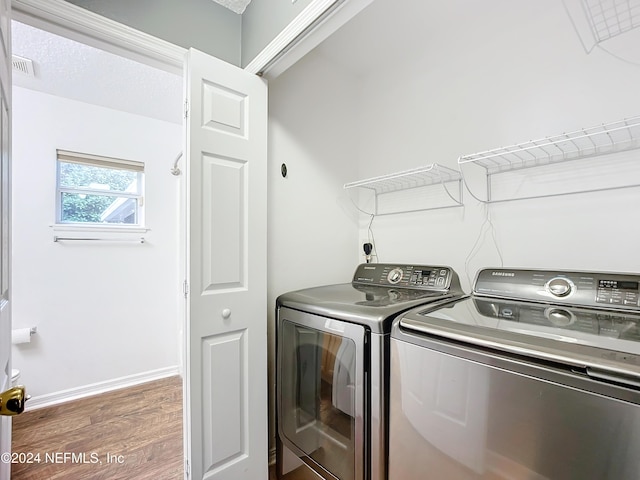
column 370, row 237
column 618, row 57
column 487, row 226
column 372, row 240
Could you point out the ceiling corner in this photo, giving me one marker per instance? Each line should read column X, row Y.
column 237, row 6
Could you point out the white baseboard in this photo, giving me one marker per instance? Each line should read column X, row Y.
column 63, row 396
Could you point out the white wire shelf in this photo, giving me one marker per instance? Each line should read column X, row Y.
column 599, row 140
column 418, row 178
column 610, row 18
column 589, row 142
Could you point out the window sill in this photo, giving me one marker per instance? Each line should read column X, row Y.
column 64, row 227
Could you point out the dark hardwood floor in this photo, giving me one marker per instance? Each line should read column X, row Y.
column 133, row 433
column 139, row 427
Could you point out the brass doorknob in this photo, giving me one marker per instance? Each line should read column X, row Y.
column 12, row 401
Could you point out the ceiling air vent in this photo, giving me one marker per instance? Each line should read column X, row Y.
column 22, row 65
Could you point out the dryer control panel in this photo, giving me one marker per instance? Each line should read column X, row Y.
column 421, row 277
column 610, row 290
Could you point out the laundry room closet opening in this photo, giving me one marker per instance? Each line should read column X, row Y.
column 108, row 291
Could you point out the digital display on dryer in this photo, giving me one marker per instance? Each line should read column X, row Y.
column 424, row 273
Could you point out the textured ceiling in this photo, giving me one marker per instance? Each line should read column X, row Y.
column 73, row 70
column 237, row 6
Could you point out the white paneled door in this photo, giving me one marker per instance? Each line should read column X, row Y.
column 5, row 225
column 226, row 401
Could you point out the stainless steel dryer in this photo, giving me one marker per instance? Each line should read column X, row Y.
column 536, row 375
column 332, row 367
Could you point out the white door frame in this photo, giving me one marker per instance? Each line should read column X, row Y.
column 312, row 26
column 5, row 230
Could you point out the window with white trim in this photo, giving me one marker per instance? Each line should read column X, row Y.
column 95, row 190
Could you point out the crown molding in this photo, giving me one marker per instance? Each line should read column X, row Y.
column 299, row 24
column 71, row 21
column 310, row 28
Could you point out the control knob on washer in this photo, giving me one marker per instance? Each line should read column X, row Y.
column 560, row 286
column 395, row 276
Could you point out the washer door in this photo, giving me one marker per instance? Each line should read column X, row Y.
column 321, row 392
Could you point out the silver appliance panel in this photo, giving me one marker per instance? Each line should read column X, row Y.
column 537, row 376
column 374, row 307
column 306, row 352
column 463, row 413
column 436, row 278
column 600, row 290
column 377, row 294
column 600, row 340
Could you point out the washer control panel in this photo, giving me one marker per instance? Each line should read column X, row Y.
column 408, row 276
column 613, row 290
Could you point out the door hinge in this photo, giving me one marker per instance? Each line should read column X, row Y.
column 187, row 470
column 185, row 288
column 186, row 109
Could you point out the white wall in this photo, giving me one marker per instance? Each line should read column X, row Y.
column 312, row 231
column 459, row 77
column 103, row 311
column 486, row 75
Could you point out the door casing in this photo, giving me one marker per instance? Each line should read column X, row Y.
column 68, row 20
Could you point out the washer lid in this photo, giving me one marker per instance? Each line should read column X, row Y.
column 582, row 337
column 372, row 306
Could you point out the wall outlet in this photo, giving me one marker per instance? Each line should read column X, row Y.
column 361, row 246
